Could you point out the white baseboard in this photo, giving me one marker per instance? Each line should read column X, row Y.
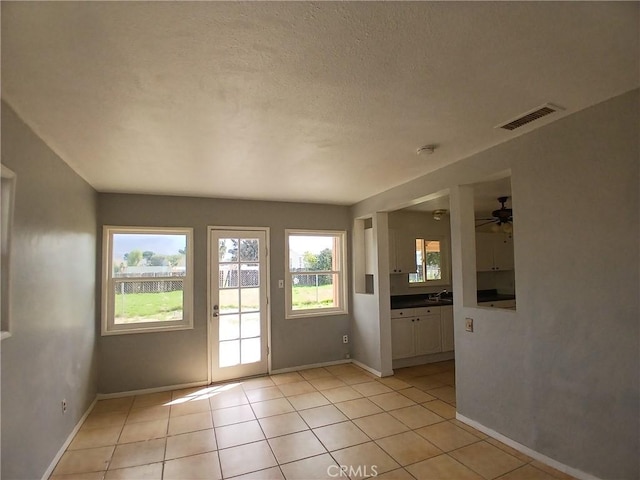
column 68, row 441
column 309, row 366
column 144, row 391
column 367, row 368
column 574, row 472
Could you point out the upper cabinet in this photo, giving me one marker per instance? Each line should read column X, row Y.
column 401, row 252
column 494, row 251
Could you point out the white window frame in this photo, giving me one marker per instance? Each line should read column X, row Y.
column 109, row 327
column 8, row 190
column 341, row 290
column 445, row 263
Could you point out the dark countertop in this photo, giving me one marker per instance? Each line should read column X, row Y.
column 493, row 296
column 421, row 300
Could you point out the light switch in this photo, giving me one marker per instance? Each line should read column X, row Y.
column 280, row 283
column 468, row 324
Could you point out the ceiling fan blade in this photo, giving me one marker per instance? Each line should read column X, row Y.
column 485, row 219
column 486, row 223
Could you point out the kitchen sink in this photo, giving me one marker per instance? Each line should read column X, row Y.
column 446, row 301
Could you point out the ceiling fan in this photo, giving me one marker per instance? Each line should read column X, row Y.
column 502, row 218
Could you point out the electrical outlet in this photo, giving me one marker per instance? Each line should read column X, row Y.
column 347, row 356
column 64, row 406
column 345, row 339
column 468, row 324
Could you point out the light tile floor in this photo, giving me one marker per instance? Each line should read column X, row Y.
column 301, row 425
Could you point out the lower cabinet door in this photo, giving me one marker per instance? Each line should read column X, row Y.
column 402, row 338
column 428, row 334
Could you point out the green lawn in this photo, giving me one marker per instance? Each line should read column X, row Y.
column 312, row 297
column 147, row 307
column 303, row 297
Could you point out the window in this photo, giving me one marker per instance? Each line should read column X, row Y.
column 7, row 191
column 432, row 268
column 148, row 279
column 315, row 279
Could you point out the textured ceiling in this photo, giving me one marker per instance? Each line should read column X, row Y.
column 320, row 102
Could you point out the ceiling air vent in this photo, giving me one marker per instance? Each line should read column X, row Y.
column 535, row 114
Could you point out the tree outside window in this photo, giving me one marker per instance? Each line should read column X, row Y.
column 429, row 262
column 315, row 278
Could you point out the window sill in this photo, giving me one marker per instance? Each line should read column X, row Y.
column 316, row 313
column 154, row 329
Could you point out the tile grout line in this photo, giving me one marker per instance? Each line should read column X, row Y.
column 348, row 420
column 215, row 437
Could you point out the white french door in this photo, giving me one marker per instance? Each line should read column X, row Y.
column 238, row 309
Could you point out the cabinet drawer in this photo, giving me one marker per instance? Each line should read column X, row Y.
column 403, row 313
column 422, row 311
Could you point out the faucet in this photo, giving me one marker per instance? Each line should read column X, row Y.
column 438, row 295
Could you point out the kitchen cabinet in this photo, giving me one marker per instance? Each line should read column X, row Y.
column 494, row 251
column 402, row 338
column 427, row 331
column 415, row 331
column 402, row 255
column 446, row 322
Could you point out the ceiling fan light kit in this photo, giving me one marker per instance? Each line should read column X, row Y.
column 426, row 149
column 502, row 218
column 438, row 214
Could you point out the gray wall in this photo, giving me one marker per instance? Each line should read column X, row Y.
column 371, row 337
column 51, row 353
column 560, row 374
column 418, row 225
column 148, row 360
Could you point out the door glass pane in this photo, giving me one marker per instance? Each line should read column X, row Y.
column 228, row 275
column 250, row 299
column 229, row 353
column 249, row 275
column 250, row 350
column 229, row 300
column 249, row 250
column 250, row 325
column 228, row 250
column 229, row 327
column 239, row 295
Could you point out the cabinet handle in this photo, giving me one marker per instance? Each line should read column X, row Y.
column 413, row 319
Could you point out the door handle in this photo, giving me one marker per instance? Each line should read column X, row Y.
column 215, row 310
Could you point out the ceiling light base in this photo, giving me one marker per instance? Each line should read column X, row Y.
column 426, row 149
